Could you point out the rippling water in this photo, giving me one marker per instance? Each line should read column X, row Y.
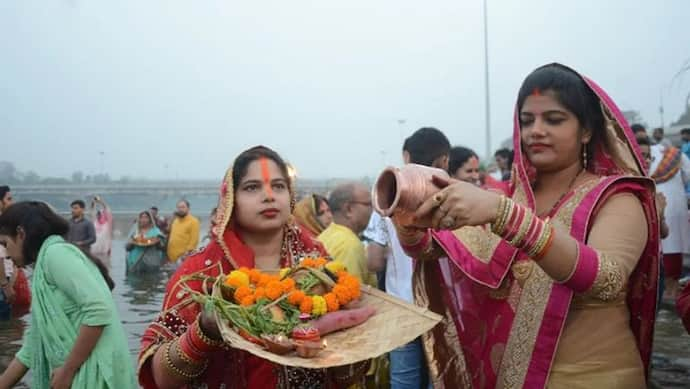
column 139, row 299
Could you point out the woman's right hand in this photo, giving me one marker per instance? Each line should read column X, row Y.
column 458, row 204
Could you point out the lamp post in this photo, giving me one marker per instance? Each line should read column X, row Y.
column 487, row 101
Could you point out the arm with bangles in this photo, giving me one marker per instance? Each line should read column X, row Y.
column 185, row 358
column 600, row 267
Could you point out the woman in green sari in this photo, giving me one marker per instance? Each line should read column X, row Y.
column 145, row 245
column 75, row 339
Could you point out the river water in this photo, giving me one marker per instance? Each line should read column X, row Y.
column 139, row 299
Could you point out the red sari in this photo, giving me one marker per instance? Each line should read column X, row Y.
column 227, row 368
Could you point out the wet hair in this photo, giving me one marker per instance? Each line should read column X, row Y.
column 318, row 200
column 459, row 155
column 3, row 191
column 80, row 203
column 638, row 128
column 426, row 145
column 39, row 222
column 242, row 162
column 571, row 91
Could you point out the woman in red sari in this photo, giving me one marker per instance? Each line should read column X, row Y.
column 254, row 229
column 552, row 284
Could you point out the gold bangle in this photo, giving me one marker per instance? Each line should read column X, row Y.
column 501, row 215
column 183, row 356
column 176, row 370
column 204, row 338
column 541, row 241
column 524, row 228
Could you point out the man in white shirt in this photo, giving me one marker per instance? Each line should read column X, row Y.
column 430, row 147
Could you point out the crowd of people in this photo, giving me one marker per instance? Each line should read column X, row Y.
column 547, row 271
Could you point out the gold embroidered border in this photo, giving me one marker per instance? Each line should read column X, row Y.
column 609, row 283
column 533, row 300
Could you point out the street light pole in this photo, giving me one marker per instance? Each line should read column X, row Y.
column 487, row 102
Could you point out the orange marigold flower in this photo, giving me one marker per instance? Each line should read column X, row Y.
column 331, row 302
column 247, row 301
column 242, row 292
column 307, row 262
column 295, row 298
column 260, row 293
column 288, row 284
column 274, row 290
column 342, row 293
column 264, row 279
column 244, row 270
column 254, row 275
column 320, row 261
column 306, row 305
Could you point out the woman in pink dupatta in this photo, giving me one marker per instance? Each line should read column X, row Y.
column 554, row 283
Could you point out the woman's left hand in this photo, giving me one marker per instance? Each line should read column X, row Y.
column 62, row 378
column 458, row 204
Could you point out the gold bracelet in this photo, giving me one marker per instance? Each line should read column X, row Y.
column 501, row 215
column 183, row 356
column 176, row 370
column 522, row 231
column 204, row 338
column 543, row 243
column 541, row 240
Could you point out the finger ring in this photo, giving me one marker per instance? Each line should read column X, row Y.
column 438, row 198
column 448, row 222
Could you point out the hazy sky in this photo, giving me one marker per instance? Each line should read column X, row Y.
column 189, row 84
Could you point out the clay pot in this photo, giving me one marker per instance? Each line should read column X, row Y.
column 399, row 192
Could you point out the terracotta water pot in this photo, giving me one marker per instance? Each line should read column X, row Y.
column 399, row 192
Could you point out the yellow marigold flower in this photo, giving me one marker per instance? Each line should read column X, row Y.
column 335, row 267
column 319, row 307
column 236, row 279
column 284, row 271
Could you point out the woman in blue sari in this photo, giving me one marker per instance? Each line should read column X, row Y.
column 145, row 245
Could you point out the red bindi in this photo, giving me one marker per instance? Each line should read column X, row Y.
column 536, row 92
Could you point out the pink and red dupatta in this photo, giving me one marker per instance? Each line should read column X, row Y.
column 504, row 315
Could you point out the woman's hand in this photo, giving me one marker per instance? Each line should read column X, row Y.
column 208, row 324
column 458, row 204
column 660, row 204
column 62, row 378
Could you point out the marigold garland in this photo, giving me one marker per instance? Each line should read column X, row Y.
column 251, row 285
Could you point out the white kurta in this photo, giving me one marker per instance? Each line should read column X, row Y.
column 676, row 214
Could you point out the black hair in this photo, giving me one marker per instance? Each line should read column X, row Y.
column 318, row 200
column 660, row 129
column 571, row 91
column 426, row 145
column 154, row 208
column 39, row 222
column 638, row 128
column 459, row 155
column 148, row 214
column 684, row 131
column 184, row 201
column 644, row 142
column 3, row 191
column 505, row 153
column 241, row 165
column 80, row 203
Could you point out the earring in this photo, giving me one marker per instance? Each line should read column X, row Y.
column 584, row 155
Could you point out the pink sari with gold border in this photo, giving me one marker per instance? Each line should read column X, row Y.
column 503, row 314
